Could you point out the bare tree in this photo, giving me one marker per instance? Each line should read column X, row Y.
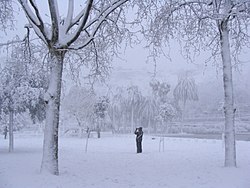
column 74, row 32
column 219, row 26
column 101, row 111
column 6, row 14
column 73, row 104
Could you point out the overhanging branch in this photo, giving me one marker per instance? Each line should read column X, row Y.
column 98, row 22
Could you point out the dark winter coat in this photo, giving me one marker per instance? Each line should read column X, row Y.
column 139, row 134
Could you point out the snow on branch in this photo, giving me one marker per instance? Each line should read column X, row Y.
column 35, row 19
column 84, row 18
column 98, row 22
column 54, row 14
column 76, row 20
column 17, row 40
column 63, row 34
column 69, row 16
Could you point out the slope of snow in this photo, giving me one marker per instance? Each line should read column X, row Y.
column 112, row 162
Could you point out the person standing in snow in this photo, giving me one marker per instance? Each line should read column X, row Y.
column 139, row 135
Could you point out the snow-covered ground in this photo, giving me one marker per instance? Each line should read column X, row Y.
column 111, row 162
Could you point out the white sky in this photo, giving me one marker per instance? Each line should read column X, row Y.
column 133, row 69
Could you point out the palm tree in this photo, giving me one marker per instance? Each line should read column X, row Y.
column 185, row 90
column 148, row 109
column 116, row 110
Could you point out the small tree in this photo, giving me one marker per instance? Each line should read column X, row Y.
column 17, row 92
column 167, row 113
column 160, row 90
column 79, row 103
column 100, row 110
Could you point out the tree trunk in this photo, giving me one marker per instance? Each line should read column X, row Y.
column 114, row 124
column 11, row 135
column 183, row 115
column 149, row 125
column 98, row 128
column 230, row 149
column 124, row 123
column 52, row 100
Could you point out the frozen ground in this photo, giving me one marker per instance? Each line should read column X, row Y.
column 111, row 162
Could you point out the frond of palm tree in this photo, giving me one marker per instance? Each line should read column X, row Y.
column 148, row 108
column 186, row 89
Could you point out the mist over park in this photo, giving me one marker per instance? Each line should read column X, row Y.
column 120, row 93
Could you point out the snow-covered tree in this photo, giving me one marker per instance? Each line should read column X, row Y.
column 115, row 110
column 94, row 23
column 18, row 92
column 220, row 26
column 160, row 90
column 79, row 104
column 101, row 110
column 6, row 14
column 148, row 110
column 167, row 112
column 185, row 90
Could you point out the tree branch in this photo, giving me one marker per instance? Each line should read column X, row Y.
column 69, row 17
column 54, row 14
column 98, row 21
column 84, row 18
column 35, row 20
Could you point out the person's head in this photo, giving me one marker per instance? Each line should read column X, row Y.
column 140, row 128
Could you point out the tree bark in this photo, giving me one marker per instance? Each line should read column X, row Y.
column 11, row 135
column 52, row 100
column 230, row 149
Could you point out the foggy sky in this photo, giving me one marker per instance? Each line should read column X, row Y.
column 132, row 67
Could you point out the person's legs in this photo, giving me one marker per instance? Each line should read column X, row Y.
column 138, row 146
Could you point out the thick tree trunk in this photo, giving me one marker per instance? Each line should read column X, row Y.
column 230, row 149
column 11, row 135
column 52, row 100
